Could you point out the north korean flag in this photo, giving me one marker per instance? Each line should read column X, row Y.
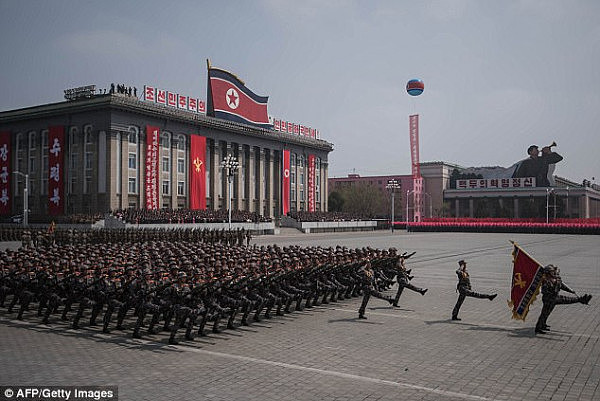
column 229, row 99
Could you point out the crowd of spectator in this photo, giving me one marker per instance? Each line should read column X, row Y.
column 326, row 216
column 178, row 216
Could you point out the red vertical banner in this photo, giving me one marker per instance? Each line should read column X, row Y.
column 197, row 172
column 311, row 183
column 5, row 172
column 414, row 144
column 56, row 164
column 151, row 167
column 285, row 183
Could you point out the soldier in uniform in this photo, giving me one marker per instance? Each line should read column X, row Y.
column 403, row 278
column 551, row 286
column 464, row 289
column 369, row 290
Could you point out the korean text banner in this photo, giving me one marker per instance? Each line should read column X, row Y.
column 414, row 144
column 229, row 99
column 56, row 157
column 526, row 282
column 152, row 176
column 197, row 172
column 285, row 183
column 311, row 183
column 5, row 172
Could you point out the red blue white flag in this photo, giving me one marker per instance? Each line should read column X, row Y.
column 229, row 99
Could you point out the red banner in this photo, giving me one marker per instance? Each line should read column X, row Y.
column 197, row 172
column 285, row 183
column 56, row 158
column 414, row 144
column 152, row 176
column 311, row 183
column 5, row 172
column 526, row 282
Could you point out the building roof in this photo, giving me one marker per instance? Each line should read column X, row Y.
column 127, row 103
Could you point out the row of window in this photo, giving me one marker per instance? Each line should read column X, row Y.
column 166, row 187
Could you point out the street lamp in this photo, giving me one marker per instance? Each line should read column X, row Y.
column 548, row 192
column 25, row 198
column 392, row 185
column 231, row 165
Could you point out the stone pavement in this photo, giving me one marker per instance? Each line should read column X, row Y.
column 414, row 352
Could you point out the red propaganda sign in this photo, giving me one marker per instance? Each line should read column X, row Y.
column 414, row 144
column 311, row 183
column 5, row 172
column 526, row 282
column 197, row 172
column 285, row 183
column 56, row 158
column 152, row 167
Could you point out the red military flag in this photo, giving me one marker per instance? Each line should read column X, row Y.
column 197, row 172
column 526, row 282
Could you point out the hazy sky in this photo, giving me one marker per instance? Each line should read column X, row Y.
column 499, row 75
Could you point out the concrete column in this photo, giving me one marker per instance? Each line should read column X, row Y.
column 260, row 180
column 471, row 207
column 269, row 156
column 214, row 173
column 238, row 151
column 252, row 179
column 125, row 170
column 173, row 172
column 516, row 207
column 457, row 207
column 324, row 186
column 584, row 206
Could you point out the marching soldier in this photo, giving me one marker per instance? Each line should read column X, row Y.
column 551, row 286
column 369, row 290
column 464, row 289
column 403, row 278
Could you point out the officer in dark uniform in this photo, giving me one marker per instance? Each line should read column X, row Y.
column 369, row 290
column 464, row 289
column 551, row 286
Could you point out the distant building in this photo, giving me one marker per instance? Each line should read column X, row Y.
column 485, row 197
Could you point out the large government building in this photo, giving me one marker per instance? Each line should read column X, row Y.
column 90, row 155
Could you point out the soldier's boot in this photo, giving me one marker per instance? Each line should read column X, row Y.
column 95, row 312
column 324, row 300
column 168, row 317
column 267, row 314
column 299, row 302
column 308, row 303
column 13, row 302
column 216, row 328
column 189, row 333
column 585, row 299
column 245, row 314
column 174, row 329
column 491, row 297
column 231, row 319
column 23, row 308
column 279, row 311
column 424, row 291
column 67, row 309
column 152, row 328
column 120, row 318
column 106, row 319
column 288, row 304
column 204, row 319
column 41, row 306
column 390, row 300
column 77, row 318
column 138, row 323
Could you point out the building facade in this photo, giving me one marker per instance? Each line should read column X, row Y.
column 478, row 199
column 105, row 158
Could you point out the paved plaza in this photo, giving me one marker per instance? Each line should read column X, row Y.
column 414, row 352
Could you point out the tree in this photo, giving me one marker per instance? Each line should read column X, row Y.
column 335, row 201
